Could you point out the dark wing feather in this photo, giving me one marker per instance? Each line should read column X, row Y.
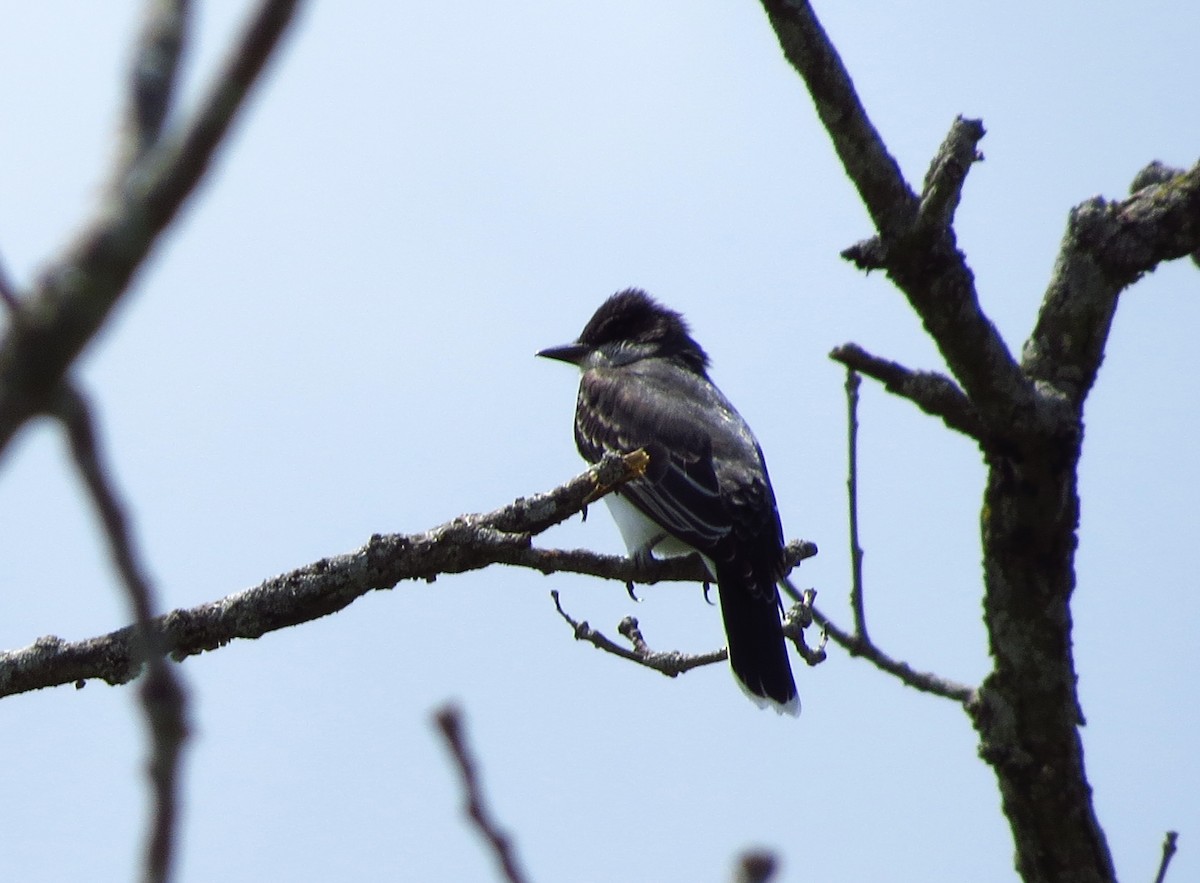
column 630, row 409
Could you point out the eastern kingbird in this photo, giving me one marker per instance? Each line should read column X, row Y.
column 645, row 385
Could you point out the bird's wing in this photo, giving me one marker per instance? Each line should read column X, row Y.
column 680, row 490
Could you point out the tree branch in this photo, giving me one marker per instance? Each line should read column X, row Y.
column 684, row 568
column 670, row 663
column 74, row 296
column 798, row 619
column 857, row 604
column 162, row 696
column 859, row 643
column 941, row 194
column 1168, row 852
column 1108, row 246
column 881, row 185
column 934, row 393
column 449, row 721
column 152, row 77
column 948, row 173
column 915, row 242
column 469, row 542
column 926, row 682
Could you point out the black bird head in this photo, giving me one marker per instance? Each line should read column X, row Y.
column 629, row 326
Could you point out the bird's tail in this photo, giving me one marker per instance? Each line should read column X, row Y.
column 757, row 649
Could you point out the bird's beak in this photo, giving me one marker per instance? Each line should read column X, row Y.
column 573, row 353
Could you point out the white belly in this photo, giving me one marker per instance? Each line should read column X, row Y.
column 642, row 536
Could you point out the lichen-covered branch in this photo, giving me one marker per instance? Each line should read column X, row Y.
column 1108, row 246
column 915, row 242
column 671, row 663
column 469, row 542
column 1028, row 419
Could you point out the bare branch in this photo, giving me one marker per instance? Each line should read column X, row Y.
column 859, row 643
column 881, row 185
column 673, row 663
column 856, row 552
column 450, row 721
column 670, row 663
column 469, row 542
column 1107, row 247
column 755, row 866
column 642, row 571
column 798, row 619
column 915, row 242
column 162, row 697
column 1168, row 852
column 926, row 682
column 940, row 197
column 73, row 298
column 948, row 173
column 153, row 76
column 935, row 394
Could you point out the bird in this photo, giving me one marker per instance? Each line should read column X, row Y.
column 645, row 384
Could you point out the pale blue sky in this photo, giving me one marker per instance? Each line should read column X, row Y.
column 337, row 339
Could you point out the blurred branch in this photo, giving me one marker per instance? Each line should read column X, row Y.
column 162, row 697
column 1168, row 852
column 153, row 76
column 8, row 294
column 469, row 542
column 450, row 721
column 755, row 866
column 75, row 295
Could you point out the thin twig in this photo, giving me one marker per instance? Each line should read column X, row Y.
column 670, row 663
column 856, row 552
column 797, row 621
column 926, row 682
column 449, row 720
column 161, row 694
column 859, row 643
column 1168, row 852
column 934, row 393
